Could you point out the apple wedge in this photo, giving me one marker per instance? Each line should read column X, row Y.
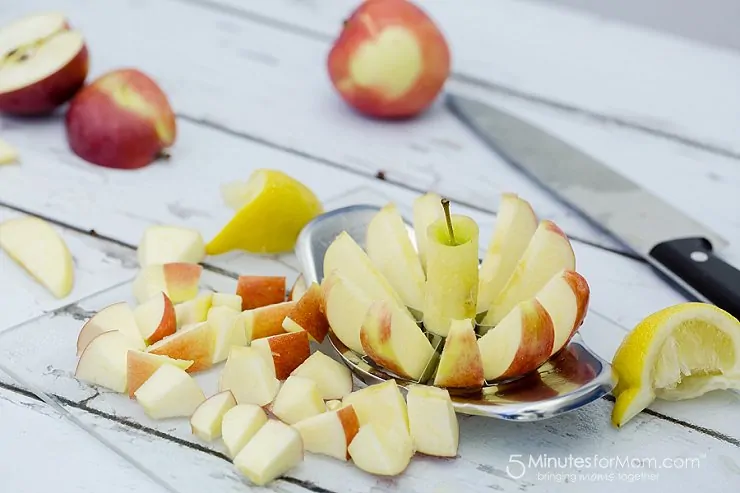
column 308, row 315
column 389, row 247
column 274, row 450
column 179, row 281
column 140, row 366
column 433, row 422
column 565, row 298
column 117, row 316
column 329, row 433
column 233, row 301
column 156, row 318
column 193, row 311
column 426, row 210
column 547, row 253
column 8, row 154
column 38, row 248
column 298, row 399
column 169, row 393
column 298, row 289
column 516, row 223
column 380, row 403
column 332, row 377
column 103, row 362
column 193, row 342
column 460, row 365
column 380, row 450
column 229, row 331
column 259, row 291
column 345, row 306
column 520, row 343
column 249, row 377
column 266, row 321
column 207, row 419
column 285, row 352
column 169, row 244
column 391, row 338
column 239, row 425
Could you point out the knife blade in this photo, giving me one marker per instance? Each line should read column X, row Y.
column 678, row 246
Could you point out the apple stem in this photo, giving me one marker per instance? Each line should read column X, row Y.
column 448, row 218
column 163, row 154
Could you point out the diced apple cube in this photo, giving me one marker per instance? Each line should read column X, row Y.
column 233, row 301
column 329, row 433
column 273, row 451
column 249, row 377
column 239, row 425
column 170, row 392
column 298, row 399
column 332, row 377
column 207, row 419
column 433, row 422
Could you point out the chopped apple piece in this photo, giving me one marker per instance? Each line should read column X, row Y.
column 168, row 244
column 38, row 248
column 565, row 298
column 381, row 403
column 193, row 311
column 207, row 419
column 345, row 306
column 391, row 338
column 117, row 316
column 427, row 209
column 249, row 377
column 140, row 366
column 329, row 433
column 391, row 251
column 239, row 425
column 433, row 422
column 460, row 364
column 333, row 405
column 266, row 321
column 547, row 253
column 285, row 352
column 520, row 343
column 380, row 450
column 8, row 154
column 233, row 301
column 274, row 450
column 103, row 362
column 156, row 318
column 298, row 289
column 332, row 377
column 179, row 281
column 170, row 392
column 308, row 315
column 193, row 342
column 298, row 399
column 516, row 222
column 259, row 291
column 229, row 331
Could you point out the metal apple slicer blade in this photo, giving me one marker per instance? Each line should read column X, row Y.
column 572, row 378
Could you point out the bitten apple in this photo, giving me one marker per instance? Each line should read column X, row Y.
column 207, row 419
column 565, row 298
column 117, row 316
column 285, row 352
column 178, row 280
column 433, row 422
column 259, row 291
column 121, row 120
column 308, row 315
column 333, row 378
column 156, row 318
column 329, row 433
column 193, row 342
column 460, row 364
column 272, row 451
column 390, row 59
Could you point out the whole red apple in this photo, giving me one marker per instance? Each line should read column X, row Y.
column 43, row 63
column 390, row 61
column 121, row 120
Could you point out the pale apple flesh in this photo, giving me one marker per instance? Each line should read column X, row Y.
column 170, row 392
column 380, row 403
column 207, row 419
column 194, row 342
column 259, row 291
column 8, row 154
column 565, row 298
column 239, row 425
column 273, row 450
column 285, row 352
column 156, row 318
column 229, row 331
column 332, row 377
column 380, row 450
column 140, row 366
column 433, row 421
column 299, row 398
column 461, row 364
column 329, row 433
column 345, row 306
column 308, row 315
column 426, row 210
column 168, row 244
column 178, row 280
column 117, row 316
column 104, row 361
column 233, row 301
column 266, row 321
column 193, row 311
column 298, row 289
column 249, row 377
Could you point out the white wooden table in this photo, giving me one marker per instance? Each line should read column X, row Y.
column 248, row 81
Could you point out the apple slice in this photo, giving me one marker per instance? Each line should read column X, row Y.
column 169, row 244
column 565, row 298
column 179, row 281
column 285, row 352
column 298, row 289
column 233, row 301
column 8, row 154
column 39, row 249
column 548, row 252
column 345, row 306
column 329, row 433
column 239, row 425
column 332, row 377
column 266, row 321
column 229, row 331
column 460, row 364
column 156, row 318
column 308, row 315
column 207, row 419
column 103, row 362
column 391, row 338
column 516, row 222
column 427, row 209
column 169, row 393
column 380, row 403
column 298, row 399
column 520, row 343
column 117, row 316
column 433, row 422
column 380, row 450
column 44, row 63
column 258, row 291
column 274, row 450
column 140, row 366
column 193, row 311
column 333, row 405
column 389, row 247
column 249, row 377
column 193, row 342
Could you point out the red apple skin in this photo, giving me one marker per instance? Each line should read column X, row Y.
column 583, row 294
column 537, row 340
column 121, row 120
column 365, row 24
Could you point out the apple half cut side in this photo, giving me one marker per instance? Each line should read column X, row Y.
column 118, row 316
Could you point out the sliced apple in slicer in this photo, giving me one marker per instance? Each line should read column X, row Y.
column 178, row 280
column 103, row 362
column 118, row 316
column 167, row 244
column 565, row 298
column 329, row 433
column 206, row 422
column 460, row 364
column 345, row 306
column 170, row 392
column 239, row 425
column 427, row 209
column 140, row 366
column 193, row 342
column 156, row 318
column 273, row 450
column 308, row 315
column 332, row 377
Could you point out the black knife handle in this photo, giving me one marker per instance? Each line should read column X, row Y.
column 692, row 260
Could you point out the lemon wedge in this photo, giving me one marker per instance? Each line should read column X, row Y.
column 680, row 352
column 273, row 208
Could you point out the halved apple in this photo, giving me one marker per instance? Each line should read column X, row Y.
column 239, row 425
column 381, row 450
column 170, row 392
column 229, row 331
column 345, row 306
column 266, row 321
column 333, row 378
column 179, row 281
column 193, row 342
column 298, row 399
column 169, row 244
column 8, row 153
column 259, row 291
column 156, row 318
column 233, row 301
column 274, row 449
column 117, row 316
column 193, row 311
column 103, row 362
column 427, row 209
column 206, row 421
column 285, row 352
column 565, row 298
column 249, row 377
column 460, row 364
column 298, row 289
column 433, row 422
column 329, row 433
column 140, row 366
column 308, row 315
column 380, row 403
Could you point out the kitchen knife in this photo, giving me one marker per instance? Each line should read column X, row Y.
column 676, row 245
